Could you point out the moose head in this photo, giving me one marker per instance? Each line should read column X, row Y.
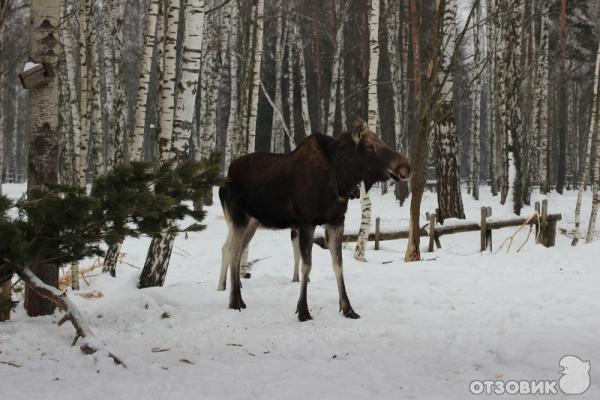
column 376, row 159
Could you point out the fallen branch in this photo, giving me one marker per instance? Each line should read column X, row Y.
column 72, row 314
column 511, row 237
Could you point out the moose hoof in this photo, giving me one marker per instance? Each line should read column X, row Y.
column 246, row 275
column 349, row 313
column 220, row 288
column 237, row 304
column 303, row 313
column 295, row 279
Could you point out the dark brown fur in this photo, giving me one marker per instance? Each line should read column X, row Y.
column 307, row 187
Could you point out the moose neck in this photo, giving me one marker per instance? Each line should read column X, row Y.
column 347, row 169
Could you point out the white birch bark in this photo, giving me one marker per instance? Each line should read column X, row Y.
column 210, row 96
column 109, row 77
column 475, row 128
column 541, row 90
column 335, row 70
column 169, row 75
column 303, row 90
column 232, row 138
column 119, row 113
column 260, row 10
column 594, row 127
column 84, row 124
column 343, row 99
column 93, row 95
column 373, row 114
column 394, row 52
column 277, row 134
column 365, row 223
column 290, row 94
column 188, row 78
column 136, row 140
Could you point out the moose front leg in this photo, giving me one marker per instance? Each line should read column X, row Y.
column 306, row 234
column 335, row 234
column 296, row 246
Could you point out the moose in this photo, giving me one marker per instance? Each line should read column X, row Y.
column 308, row 187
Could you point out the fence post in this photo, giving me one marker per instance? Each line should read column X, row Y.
column 486, row 234
column 431, row 219
column 377, row 232
column 537, row 222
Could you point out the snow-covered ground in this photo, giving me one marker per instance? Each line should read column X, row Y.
column 427, row 329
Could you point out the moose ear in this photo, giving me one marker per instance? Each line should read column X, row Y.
column 360, row 129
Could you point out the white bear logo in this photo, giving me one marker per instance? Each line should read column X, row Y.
column 575, row 377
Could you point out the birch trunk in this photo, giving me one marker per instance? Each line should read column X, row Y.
column 84, row 124
column 335, row 70
column 542, row 98
column 188, row 78
column 475, row 128
column 594, row 117
column 43, row 130
column 109, row 77
column 373, row 114
column 93, row 95
column 233, row 138
column 277, row 134
column 169, row 75
column 161, row 246
column 136, row 141
column 303, row 90
column 260, row 17
column 446, row 140
column 365, row 224
column 290, row 94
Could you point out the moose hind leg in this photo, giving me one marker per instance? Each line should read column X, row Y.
column 335, row 235
column 240, row 239
column 225, row 260
column 297, row 258
column 305, row 238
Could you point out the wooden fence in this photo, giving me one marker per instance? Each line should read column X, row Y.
column 545, row 228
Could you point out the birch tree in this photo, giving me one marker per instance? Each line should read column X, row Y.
column 136, row 140
column 475, row 128
column 303, row 90
column 373, row 114
column 277, row 138
column 43, row 130
column 446, row 140
column 541, row 94
column 233, row 140
column 338, row 44
column 588, row 152
column 253, row 111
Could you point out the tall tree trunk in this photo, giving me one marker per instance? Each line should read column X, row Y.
column 303, row 88
column 136, row 140
column 373, row 114
column 542, row 97
column 290, row 80
column 191, row 59
column 446, row 140
column 159, row 252
column 277, row 138
column 594, row 119
column 84, row 124
column 260, row 17
column 335, row 67
column 475, row 126
column 419, row 160
column 563, row 99
column 233, row 139
column 93, row 94
column 43, row 130
column 513, row 124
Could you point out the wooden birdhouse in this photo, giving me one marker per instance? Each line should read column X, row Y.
column 35, row 75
